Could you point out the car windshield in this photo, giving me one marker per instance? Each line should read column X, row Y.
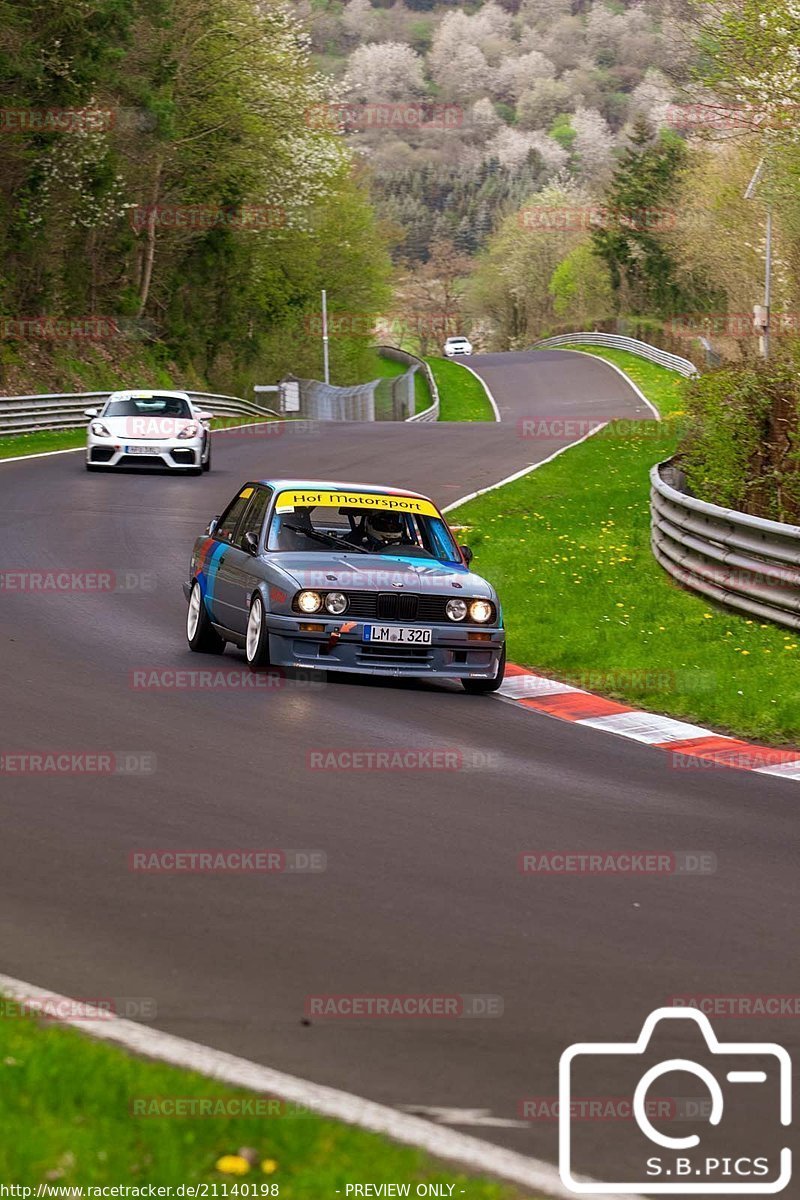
column 373, row 526
column 149, row 406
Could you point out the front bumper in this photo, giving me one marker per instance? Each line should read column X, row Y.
column 177, row 454
column 455, row 651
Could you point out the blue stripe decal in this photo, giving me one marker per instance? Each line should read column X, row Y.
column 208, row 576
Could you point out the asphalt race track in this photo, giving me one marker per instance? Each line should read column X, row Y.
column 422, row 894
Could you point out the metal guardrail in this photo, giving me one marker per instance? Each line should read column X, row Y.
column 415, row 364
column 64, row 410
column 617, row 341
column 744, row 562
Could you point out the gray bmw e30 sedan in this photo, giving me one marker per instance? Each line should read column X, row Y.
column 343, row 577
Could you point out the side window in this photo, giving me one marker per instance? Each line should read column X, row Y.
column 230, row 518
column 253, row 519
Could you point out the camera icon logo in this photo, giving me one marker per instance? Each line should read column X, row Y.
column 674, row 1165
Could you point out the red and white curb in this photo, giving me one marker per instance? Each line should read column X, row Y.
column 690, row 745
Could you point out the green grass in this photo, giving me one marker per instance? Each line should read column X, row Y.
column 69, row 439
column 67, row 1114
column 568, row 548
column 387, row 368
column 461, row 395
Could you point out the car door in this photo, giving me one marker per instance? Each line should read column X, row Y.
column 215, row 559
column 238, row 569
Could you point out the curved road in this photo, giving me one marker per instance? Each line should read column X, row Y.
column 421, row 893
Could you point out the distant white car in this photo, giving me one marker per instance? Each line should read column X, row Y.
column 149, row 429
column 457, row 345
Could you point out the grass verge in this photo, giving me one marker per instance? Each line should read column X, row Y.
column 568, row 548
column 69, row 1110
column 461, row 395
column 387, row 368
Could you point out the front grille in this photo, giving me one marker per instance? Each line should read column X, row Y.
column 184, row 457
column 101, row 454
column 397, row 606
column 412, row 607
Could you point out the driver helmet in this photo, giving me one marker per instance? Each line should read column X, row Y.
column 386, row 527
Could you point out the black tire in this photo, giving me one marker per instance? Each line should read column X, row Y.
column 206, row 466
column 203, row 639
column 480, row 687
column 257, row 641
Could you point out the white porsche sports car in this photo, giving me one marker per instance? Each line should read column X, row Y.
column 149, row 429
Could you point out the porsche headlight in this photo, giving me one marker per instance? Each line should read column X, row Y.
column 309, row 602
column 336, row 603
column 456, row 609
column 99, row 429
column 188, row 431
column 480, row 611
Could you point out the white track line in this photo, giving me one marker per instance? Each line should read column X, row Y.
column 41, row 454
column 478, row 1155
column 525, row 470
column 619, row 370
column 486, row 388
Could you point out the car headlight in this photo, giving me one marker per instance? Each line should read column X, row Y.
column 99, row 429
column 336, row 603
column 456, row 609
column 188, row 431
column 309, row 602
column 480, row 611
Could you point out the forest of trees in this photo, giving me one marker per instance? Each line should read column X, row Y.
column 158, row 170
column 534, row 91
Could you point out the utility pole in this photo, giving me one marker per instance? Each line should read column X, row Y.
column 326, row 366
column 761, row 312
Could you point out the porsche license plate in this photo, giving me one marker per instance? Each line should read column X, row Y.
column 406, row 635
column 142, row 450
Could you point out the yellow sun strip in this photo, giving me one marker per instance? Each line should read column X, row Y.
column 288, row 501
column 245, row 493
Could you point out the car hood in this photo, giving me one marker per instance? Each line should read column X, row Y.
column 379, row 573
column 146, row 428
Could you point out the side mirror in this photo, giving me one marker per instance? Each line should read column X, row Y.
column 250, row 542
column 212, row 526
column 467, row 552
column 204, row 416
column 91, row 412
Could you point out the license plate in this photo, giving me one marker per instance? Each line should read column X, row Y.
column 142, row 450
column 406, row 635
